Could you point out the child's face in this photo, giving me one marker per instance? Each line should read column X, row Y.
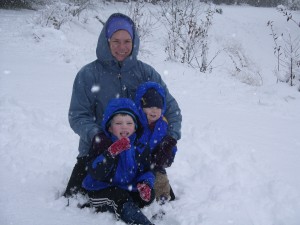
column 152, row 113
column 122, row 126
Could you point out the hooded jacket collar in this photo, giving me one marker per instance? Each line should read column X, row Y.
column 142, row 89
column 104, row 54
column 117, row 104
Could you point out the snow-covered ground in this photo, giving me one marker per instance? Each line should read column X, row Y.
column 239, row 157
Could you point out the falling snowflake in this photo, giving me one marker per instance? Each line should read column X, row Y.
column 95, row 88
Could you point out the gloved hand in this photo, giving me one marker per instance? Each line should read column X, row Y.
column 100, row 143
column 162, row 154
column 145, row 191
column 119, row 146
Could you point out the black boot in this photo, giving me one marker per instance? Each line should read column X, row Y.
column 172, row 194
column 78, row 174
column 131, row 214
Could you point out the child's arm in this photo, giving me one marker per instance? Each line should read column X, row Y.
column 162, row 155
column 100, row 143
column 104, row 166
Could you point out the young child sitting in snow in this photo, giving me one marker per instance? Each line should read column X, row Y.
column 120, row 179
column 150, row 100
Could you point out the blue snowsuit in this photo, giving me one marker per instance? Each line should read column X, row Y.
column 153, row 137
column 105, row 78
column 126, row 170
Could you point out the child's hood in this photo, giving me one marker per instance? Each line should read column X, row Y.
column 142, row 89
column 118, row 104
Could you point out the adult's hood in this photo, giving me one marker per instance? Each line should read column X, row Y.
column 103, row 51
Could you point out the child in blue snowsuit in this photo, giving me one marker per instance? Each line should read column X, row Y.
column 151, row 103
column 120, row 179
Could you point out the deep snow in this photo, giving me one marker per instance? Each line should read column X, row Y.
column 238, row 161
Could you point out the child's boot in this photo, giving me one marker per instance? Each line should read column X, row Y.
column 131, row 214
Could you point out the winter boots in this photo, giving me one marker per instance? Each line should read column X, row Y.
column 131, row 214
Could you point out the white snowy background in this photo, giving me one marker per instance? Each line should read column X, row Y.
column 238, row 161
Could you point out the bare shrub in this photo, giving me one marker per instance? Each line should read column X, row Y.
column 60, row 12
column 187, row 23
column 244, row 69
column 287, row 52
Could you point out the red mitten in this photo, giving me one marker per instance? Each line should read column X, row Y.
column 145, row 192
column 119, row 146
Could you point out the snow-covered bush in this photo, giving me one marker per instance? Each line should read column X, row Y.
column 287, row 52
column 291, row 60
column 244, row 69
column 187, row 23
column 144, row 22
column 292, row 4
column 58, row 13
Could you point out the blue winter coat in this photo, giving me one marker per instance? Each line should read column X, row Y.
column 153, row 137
column 103, row 79
column 125, row 170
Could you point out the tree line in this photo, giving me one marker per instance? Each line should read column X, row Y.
column 32, row 4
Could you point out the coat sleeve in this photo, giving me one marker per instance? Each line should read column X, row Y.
column 82, row 106
column 103, row 167
column 147, row 177
column 173, row 115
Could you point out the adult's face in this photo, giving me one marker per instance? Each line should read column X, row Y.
column 120, row 45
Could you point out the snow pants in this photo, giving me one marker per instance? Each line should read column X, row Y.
column 124, row 204
column 78, row 174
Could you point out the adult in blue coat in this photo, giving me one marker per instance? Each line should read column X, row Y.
column 120, row 179
column 115, row 73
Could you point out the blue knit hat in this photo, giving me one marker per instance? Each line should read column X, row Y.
column 123, row 112
column 152, row 99
column 119, row 23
